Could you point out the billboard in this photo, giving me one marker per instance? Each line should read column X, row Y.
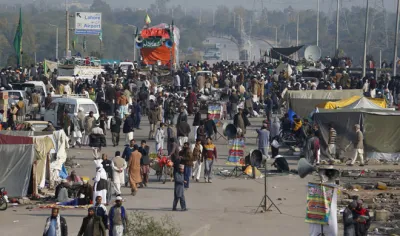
column 87, row 23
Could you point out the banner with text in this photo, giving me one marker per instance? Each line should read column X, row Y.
column 236, row 152
column 319, row 199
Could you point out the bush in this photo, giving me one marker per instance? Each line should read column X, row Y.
column 139, row 223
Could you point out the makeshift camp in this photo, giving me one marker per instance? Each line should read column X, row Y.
column 32, row 157
column 381, row 131
column 305, row 101
column 355, row 102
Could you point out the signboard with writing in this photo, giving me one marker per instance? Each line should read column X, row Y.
column 152, row 43
column 88, row 23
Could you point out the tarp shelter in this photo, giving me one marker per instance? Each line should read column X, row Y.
column 284, row 53
column 303, row 102
column 284, row 67
column 355, row 102
column 17, row 157
column 381, row 131
column 43, row 166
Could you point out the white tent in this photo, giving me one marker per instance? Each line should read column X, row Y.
column 365, row 103
column 286, row 67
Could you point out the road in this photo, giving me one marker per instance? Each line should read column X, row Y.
column 230, row 51
column 225, row 207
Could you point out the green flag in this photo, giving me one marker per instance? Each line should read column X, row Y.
column 101, row 36
column 18, row 38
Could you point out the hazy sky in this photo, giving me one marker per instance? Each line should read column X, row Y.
column 326, row 5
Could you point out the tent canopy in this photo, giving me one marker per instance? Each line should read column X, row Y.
column 284, row 67
column 304, row 102
column 355, row 102
column 17, row 156
column 381, row 131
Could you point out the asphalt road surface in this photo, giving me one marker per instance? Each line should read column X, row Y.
column 224, row 207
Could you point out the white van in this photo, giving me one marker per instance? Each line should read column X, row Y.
column 71, row 104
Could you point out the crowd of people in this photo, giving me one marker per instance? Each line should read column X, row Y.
column 125, row 99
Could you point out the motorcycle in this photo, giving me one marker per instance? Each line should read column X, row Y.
column 3, row 199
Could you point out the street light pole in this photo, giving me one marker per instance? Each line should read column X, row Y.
column 365, row 41
column 337, row 28
column 396, row 38
column 56, row 40
column 317, row 22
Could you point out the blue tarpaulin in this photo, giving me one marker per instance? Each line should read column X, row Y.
column 63, row 172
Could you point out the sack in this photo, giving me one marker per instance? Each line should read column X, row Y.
column 275, row 143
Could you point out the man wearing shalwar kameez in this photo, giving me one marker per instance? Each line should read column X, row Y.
column 134, row 169
column 100, row 183
column 179, row 189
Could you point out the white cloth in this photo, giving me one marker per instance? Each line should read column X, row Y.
column 58, row 226
column 195, row 132
column 197, row 169
column 332, row 228
column 182, row 140
column 128, row 137
column 159, row 135
column 360, row 154
column 100, row 174
column 118, row 230
column 96, row 151
column 119, row 177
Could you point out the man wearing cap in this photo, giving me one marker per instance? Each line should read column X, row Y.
column 358, row 146
column 101, row 211
column 179, row 189
column 92, row 225
column 117, row 218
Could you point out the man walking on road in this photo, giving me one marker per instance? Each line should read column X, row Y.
column 197, row 152
column 92, row 225
column 119, row 166
column 179, row 189
column 55, row 225
column 115, row 128
column 358, row 146
column 118, row 218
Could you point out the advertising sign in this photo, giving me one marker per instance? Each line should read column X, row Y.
column 88, row 23
column 319, row 201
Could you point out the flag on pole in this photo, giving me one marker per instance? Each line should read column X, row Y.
column 84, row 44
column 74, row 42
column 18, row 38
column 147, row 20
column 101, row 36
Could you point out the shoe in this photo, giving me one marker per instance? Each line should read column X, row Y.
column 210, row 181
column 350, row 164
column 197, row 180
column 361, row 164
column 145, row 184
column 206, row 180
column 184, row 209
column 173, row 209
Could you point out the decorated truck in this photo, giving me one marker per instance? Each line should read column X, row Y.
column 159, row 45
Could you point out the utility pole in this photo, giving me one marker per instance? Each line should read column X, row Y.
column 234, row 20
column 66, row 29
column 56, row 40
column 396, row 38
column 317, row 22
column 337, row 28
column 297, row 30
column 276, row 36
column 213, row 17
column 365, row 41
